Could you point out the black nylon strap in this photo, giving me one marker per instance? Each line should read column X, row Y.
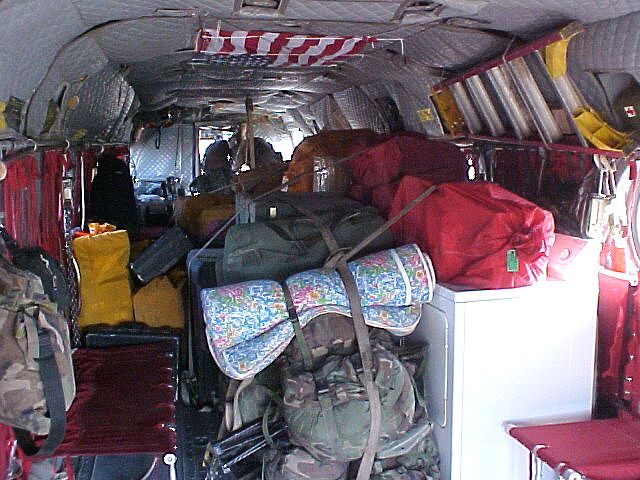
column 54, row 395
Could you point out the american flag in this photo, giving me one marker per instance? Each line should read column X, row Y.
column 280, row 49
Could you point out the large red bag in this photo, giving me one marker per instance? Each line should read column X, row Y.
column 382, row 197
column 477, row 234
column 408, row 153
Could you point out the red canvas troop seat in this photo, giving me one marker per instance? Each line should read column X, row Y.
column 598, row 449
column 125, row 403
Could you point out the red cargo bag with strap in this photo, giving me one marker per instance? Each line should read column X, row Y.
column 477, row 234
column 408, row 153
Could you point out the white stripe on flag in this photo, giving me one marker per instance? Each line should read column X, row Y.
column 237, row 40
column 284, row 54
column 347, row 48
column 215, row 43
column 265, row 41
column 315, row 50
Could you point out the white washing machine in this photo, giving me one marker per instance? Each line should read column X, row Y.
column 522, row 356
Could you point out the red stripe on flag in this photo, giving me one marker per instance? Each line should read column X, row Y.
column 204, row 39
column 330, row 50
column 290, row 47
column 296, row 52
column 357, row 48
column 251, row 42
column 227, row 46
column 279, row 43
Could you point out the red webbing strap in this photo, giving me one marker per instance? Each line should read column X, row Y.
column 51, row 231
column 20, row 196
column 85, row 162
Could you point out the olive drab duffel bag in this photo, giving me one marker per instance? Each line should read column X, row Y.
column 277, row 249
column 37, row 384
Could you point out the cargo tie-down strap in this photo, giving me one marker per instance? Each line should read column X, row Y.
column 364, row 346
column 232, row 349
column 338, row 260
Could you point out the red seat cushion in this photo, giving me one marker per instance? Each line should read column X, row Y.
column 599, row 449
column 124, row 403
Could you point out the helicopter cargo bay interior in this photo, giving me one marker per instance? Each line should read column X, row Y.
column 319, row 239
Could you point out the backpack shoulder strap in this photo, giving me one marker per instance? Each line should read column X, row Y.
column 54, row 396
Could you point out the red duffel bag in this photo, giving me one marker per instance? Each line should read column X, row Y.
column 477, row 234
column 408, row 153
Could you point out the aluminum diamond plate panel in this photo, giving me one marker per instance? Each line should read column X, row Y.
column 359, row 110
column 172, row 158
column 77, row 60
column 328, row 115
column 277, row 135
column 408, row 105
column 375, row 90
column 300, row 121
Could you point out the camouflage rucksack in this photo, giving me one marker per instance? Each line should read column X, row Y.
column 36, row 374
column 339, row 384
column 406, row 448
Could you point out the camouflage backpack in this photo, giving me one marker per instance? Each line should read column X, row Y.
column 327, row 410
column 36, row 374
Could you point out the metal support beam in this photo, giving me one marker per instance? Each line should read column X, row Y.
column 251, row 151
column 10, row 147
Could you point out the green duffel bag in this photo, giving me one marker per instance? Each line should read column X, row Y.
column 277, row 249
